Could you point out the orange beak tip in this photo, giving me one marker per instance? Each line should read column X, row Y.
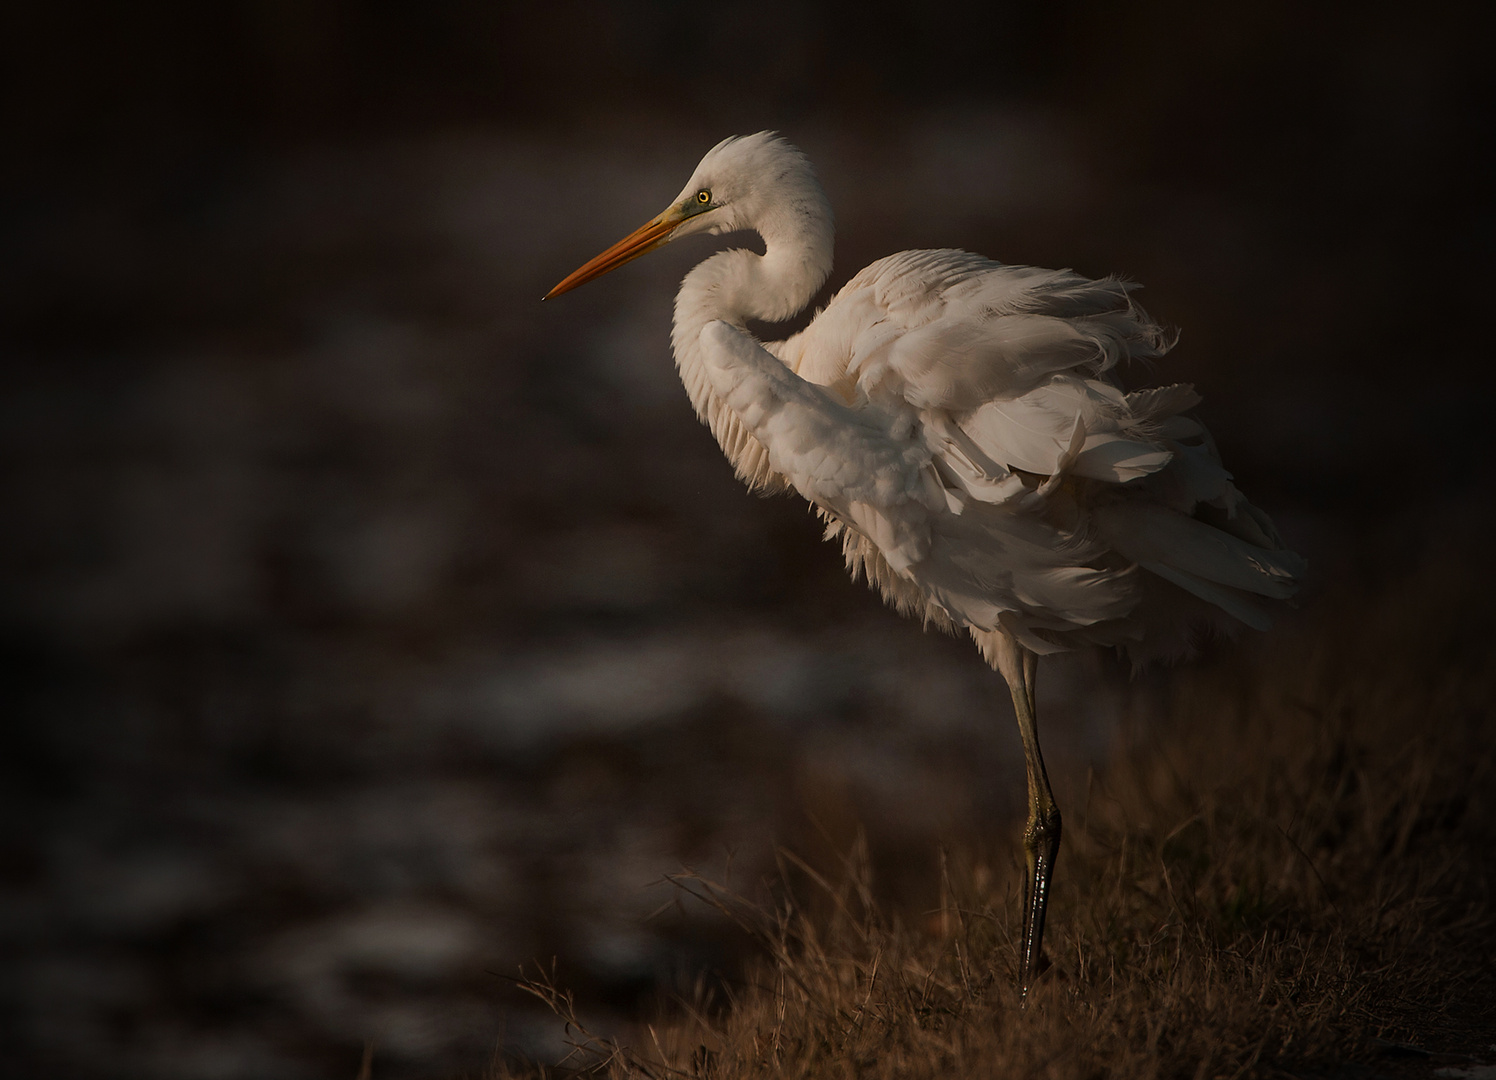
column 640, row 241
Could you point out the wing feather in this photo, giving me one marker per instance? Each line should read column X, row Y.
column 941, row 412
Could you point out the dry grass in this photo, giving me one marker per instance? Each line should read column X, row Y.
column 1287, row 873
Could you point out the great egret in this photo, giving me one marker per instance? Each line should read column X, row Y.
column 956, row 423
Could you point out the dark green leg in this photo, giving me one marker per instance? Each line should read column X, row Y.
column 1041, row 836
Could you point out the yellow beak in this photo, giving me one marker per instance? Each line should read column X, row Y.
column 641, row 241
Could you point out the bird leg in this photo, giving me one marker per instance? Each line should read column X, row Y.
column 1041, row 836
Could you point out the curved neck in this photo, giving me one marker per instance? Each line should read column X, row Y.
column 737, row 285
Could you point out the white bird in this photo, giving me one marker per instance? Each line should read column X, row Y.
column 957, row 423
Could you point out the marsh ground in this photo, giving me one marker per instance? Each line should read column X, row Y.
column 1281, row 870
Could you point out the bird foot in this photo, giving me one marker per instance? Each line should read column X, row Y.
column 1041, row 844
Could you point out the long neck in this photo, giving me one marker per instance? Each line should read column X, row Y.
column 739, row 285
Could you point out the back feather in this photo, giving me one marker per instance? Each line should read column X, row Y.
column 958, row 424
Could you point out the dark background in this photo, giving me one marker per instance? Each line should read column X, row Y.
column 370, row 629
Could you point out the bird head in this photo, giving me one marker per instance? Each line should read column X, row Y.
column 744, row 182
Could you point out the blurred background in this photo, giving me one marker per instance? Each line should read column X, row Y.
column 371, row 629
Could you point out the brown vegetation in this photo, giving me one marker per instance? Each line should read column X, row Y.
column 1284, row 872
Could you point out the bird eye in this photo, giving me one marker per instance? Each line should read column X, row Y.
column 703, row 196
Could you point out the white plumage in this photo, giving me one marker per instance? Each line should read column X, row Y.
column 959, row 425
